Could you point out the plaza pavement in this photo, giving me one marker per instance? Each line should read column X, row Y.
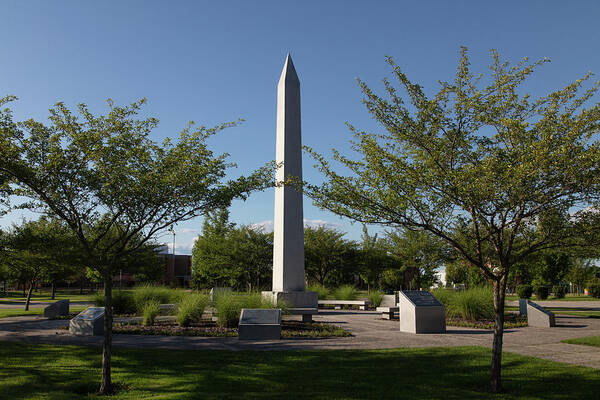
column 368, row 329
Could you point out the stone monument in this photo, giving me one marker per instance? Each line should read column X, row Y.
column 57, row 309
column 259, row 324
column 538, row 316
column 420, row 312
column 88, row 322
column 288, row 224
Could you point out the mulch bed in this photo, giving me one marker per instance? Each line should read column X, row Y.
column 211, row 329
column 510, row 321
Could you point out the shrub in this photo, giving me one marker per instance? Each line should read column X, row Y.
column 524, row 291
column 376, row 297
column 228, row 307
column 158, row 294
column 541, row 292
column 346, row 292
column 559, row 291
column 445, row 296
column 472, row 304
column 321, row 290
column 191, row 308
column 122, row 300
column 150, row 312
column 594, row 290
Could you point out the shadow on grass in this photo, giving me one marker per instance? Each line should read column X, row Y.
column 450, row 373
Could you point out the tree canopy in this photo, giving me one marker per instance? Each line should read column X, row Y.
column 110, row 182
column 478, row 164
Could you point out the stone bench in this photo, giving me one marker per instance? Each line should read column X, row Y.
column 388, row 307
column 362, row 304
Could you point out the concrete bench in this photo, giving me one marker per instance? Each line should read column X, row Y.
column 388, row 307
column 362, row 304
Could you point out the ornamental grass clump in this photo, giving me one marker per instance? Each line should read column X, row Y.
column 474, row 304
column 228, row 307
column 191, row 308
column 322, row 291
column 375, row 297
column 444, row 296
column 150, row 311
column 158, row 294
column 346, row 292
column 122, row 302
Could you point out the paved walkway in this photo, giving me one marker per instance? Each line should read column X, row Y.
column 20, row 305
column 369, row 330
column 587, row 305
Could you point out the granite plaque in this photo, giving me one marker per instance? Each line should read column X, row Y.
column 259, row 324
column 538, row 316
column 421, row 312
column 88, row 322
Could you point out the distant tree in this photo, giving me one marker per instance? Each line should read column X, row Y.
column 481, row 155
column 328, row 256
column 211, row 253
column 252, row 256
column 373, row 258
column 459, row 271
column 581, row 272
column 421, row 254
column 103, row 174
column 552, row 267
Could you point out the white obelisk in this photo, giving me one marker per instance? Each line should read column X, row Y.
column 288, row 228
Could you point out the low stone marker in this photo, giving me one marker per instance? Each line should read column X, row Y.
column 420, row 312
column 57, row 309
column 217, row 291
column 89, row 322
column 260, row 324
column 523, row 306
column 538, row 316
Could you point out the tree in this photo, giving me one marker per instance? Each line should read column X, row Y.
column 582, row 271
column 38, row 251
column 374, row 258
column 211, row 252
column 421, row 255
column 477, row 164
column 327, row 255
column 459, row 271
column 251, row 256
column 110, row 182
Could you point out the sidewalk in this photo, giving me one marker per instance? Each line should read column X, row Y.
column 369, row 330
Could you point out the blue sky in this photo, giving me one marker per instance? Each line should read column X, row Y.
column 219, row 61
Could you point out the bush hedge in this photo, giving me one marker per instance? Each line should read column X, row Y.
column 559, row 291
column 541, row 292
column 594, row 290
column 524, row 291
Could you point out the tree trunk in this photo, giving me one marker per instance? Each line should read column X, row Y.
column 106, row 384
column 499, row 295
column 53, row 290
column 24, row 287
column 81, row 285
column 4, row 288
column 28, row 295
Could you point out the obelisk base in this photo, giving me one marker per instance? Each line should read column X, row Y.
column 296, row 303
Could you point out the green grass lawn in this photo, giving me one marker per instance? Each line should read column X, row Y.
column 47, row 296
column 30, row 371
column 569, row 297
column 32, row 311
column 588, row 341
